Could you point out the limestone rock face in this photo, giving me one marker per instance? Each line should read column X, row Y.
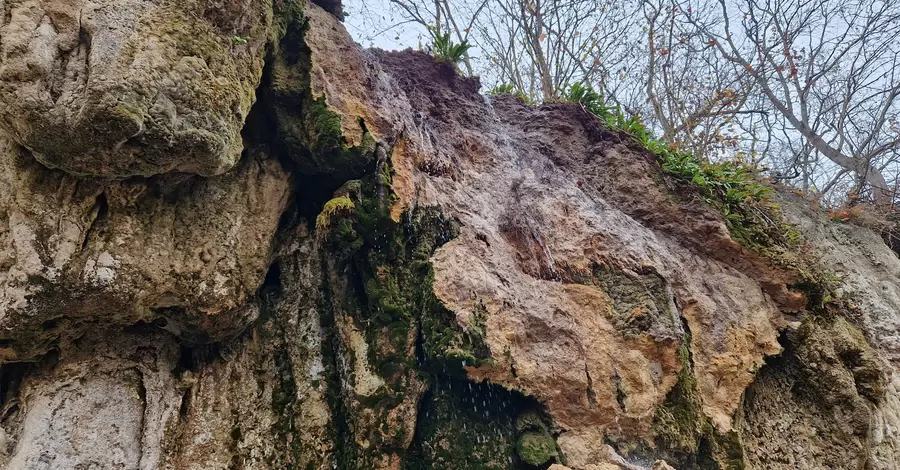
column 180, row 249
column 121, row 88
column 380, row 268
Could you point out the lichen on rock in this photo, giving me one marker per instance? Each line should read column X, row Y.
column 124, row 88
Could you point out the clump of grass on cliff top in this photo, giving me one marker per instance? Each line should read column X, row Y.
column 509, row 89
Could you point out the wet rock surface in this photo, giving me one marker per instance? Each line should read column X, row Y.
column 378, row 267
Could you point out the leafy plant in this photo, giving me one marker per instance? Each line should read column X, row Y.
column 509, row 89
column 503, row 88
column 445, row 50
column 592, row 101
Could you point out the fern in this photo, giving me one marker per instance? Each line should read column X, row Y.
column 503, row 88
column 445, row 50
column 509, row 89
column 592, row 101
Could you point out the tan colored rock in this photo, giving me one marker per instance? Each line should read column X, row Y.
column 584, row 287
column 178, row 248
column 139, row 399
column 127, row 87
column 867, row 429
column 545, row 257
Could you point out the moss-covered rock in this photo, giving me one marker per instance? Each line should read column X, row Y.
column 308, row 131
column 138, row 89
column 536, row 448
column 820, row 396
column 684, row 435
column 465, row 426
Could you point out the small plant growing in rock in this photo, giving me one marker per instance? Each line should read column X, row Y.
column 590, row 100
column 503, row 88
column 509, row 89
column 445, row 50
column 238, row 40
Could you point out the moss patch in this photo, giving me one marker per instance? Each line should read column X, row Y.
column 465, row 426
column 338, row 206
column 535, row 446
column 307, row 130
column 684, row 435
column 822, row 389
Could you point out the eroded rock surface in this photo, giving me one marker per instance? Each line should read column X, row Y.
column 123, row 88
column 81, row 253
column 388, row 270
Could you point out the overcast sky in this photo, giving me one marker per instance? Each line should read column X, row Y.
column 375, row 23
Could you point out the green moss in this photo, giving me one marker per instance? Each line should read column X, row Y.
column 391, row 262
column 530, row 421
column 310, row 133
column 389, row 293
column 640, row 300
column 465, row 426
column 685, row 435
column 680, row 423
column 341, row 205
column 536, row 448
column 837, row 360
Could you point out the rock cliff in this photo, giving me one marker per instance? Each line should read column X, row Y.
column 230, row 238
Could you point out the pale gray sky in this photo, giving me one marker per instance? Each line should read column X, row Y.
column 375, row 23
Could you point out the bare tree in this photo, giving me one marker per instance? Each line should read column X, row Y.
column 540, row 46
column 830, row 69
column 441, row 17
column 693, row 100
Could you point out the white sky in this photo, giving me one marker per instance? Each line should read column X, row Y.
column 374, row 23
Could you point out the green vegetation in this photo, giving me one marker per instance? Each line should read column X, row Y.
column 683, row 431
column 311, row 134
column 535, row 445
column 384, row 282
column 337, row 206
column 731, row 186
column 752, row 216
column 503, row 88
column 465, row 426
column 509, row 89
column 536, row 448
column 447, row 51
